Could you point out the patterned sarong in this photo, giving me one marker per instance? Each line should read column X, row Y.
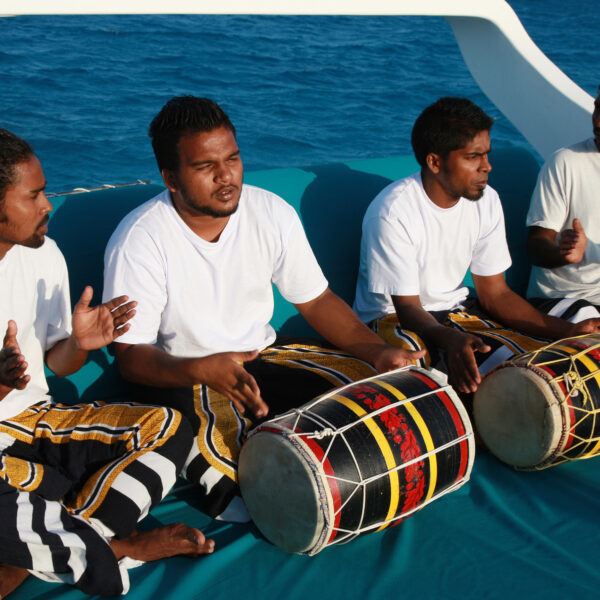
column 72, row 477
column 288, row 376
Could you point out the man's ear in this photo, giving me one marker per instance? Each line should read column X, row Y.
column 433, row 162
column 169, row 179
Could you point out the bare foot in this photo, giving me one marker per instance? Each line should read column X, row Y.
column 170, row 540
column 10, row 579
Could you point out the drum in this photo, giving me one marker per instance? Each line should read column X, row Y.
column 541, row 408
column 356, row 460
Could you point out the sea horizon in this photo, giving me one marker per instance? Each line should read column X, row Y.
column 300, row 90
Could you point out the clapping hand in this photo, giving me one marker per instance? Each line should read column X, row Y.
column 12, row 362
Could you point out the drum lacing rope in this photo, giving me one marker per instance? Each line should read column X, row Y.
column 354, row 533
column 329, row 431
column 574, row 383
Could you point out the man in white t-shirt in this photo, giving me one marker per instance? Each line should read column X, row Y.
column 421, row 235
column 564, row 230
column 201, row 259
column 74, row 480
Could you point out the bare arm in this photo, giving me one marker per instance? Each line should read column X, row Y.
column 336, row 322
column 547, row 248
column 459, row 347
column 501, row 303
column 223, row 372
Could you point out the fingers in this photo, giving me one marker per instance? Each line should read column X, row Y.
column 480, row 346
column 86, row 297
column 10, row 338
column 577, row 226
column 117, row 302
column 586, row 326
column 121, row 311
column 247, row 393
column 243, row 357
column 122, row 314
column 12, row 368
column 464, row 371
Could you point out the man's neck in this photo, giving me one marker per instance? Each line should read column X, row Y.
column 207, row 227
column 435, row 192
column 4, row 248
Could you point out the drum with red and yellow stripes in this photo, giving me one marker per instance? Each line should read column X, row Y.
column 542, row 408
column 356, row 460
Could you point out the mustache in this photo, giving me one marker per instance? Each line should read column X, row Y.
column 44, row 221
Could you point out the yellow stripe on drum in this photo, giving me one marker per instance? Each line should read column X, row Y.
column 424, row 430
column 386, row 451
column 592, row 366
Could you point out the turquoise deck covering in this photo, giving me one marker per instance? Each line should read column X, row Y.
column 504, row 534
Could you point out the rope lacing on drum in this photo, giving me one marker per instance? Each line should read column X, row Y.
column 574, row 383
column 319, row 435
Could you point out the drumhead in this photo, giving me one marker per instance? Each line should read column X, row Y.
column 279, row 488
column 519, row 416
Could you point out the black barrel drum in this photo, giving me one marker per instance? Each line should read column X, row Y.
column 356, row 460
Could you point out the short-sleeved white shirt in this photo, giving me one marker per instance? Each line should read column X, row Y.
column 412, row 247
column 567, row 188
column 196, row 297
column 35, row 294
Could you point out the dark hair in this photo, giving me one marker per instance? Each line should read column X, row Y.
column 446, row 125
column 13, row 150
column 182, row 116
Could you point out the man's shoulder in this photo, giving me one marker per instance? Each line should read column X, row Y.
column 572, row 154
column 398, row 198
column 262, row 196
column 48, row 253
column 46, row 261
column 143, row 218
column 266, row 204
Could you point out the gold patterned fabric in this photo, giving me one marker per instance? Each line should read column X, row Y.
column 72, row 477
column 288, row 376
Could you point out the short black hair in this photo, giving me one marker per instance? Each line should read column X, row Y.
column 446, row 125
column 13, row 151
column 179, row 117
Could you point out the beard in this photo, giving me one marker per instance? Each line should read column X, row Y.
column 474, row 197
column 207, row 209
column 35, row 240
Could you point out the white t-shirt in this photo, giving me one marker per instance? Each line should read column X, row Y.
column 35, row 294
column 196, row 297
column 567, row 188
column 412, row 247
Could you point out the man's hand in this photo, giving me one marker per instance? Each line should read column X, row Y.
column 98, row 326
column 225, row 374
column 460, row 350
column 393, row 358
column 12, row 363
column 586, row 326
column 572, row 243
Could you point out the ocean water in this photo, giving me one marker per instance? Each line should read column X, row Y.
column 300, row 90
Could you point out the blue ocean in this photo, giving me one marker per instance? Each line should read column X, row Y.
column 300, row 90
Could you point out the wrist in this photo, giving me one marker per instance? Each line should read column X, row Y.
column 5, row 390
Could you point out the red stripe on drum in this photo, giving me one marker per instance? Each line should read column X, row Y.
column 331, row 482
column 456, row 419
column 569, row 404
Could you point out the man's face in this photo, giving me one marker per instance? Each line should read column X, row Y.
column 24, row 209
column 464, row 172
column 596, row 120
column 210, row 174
